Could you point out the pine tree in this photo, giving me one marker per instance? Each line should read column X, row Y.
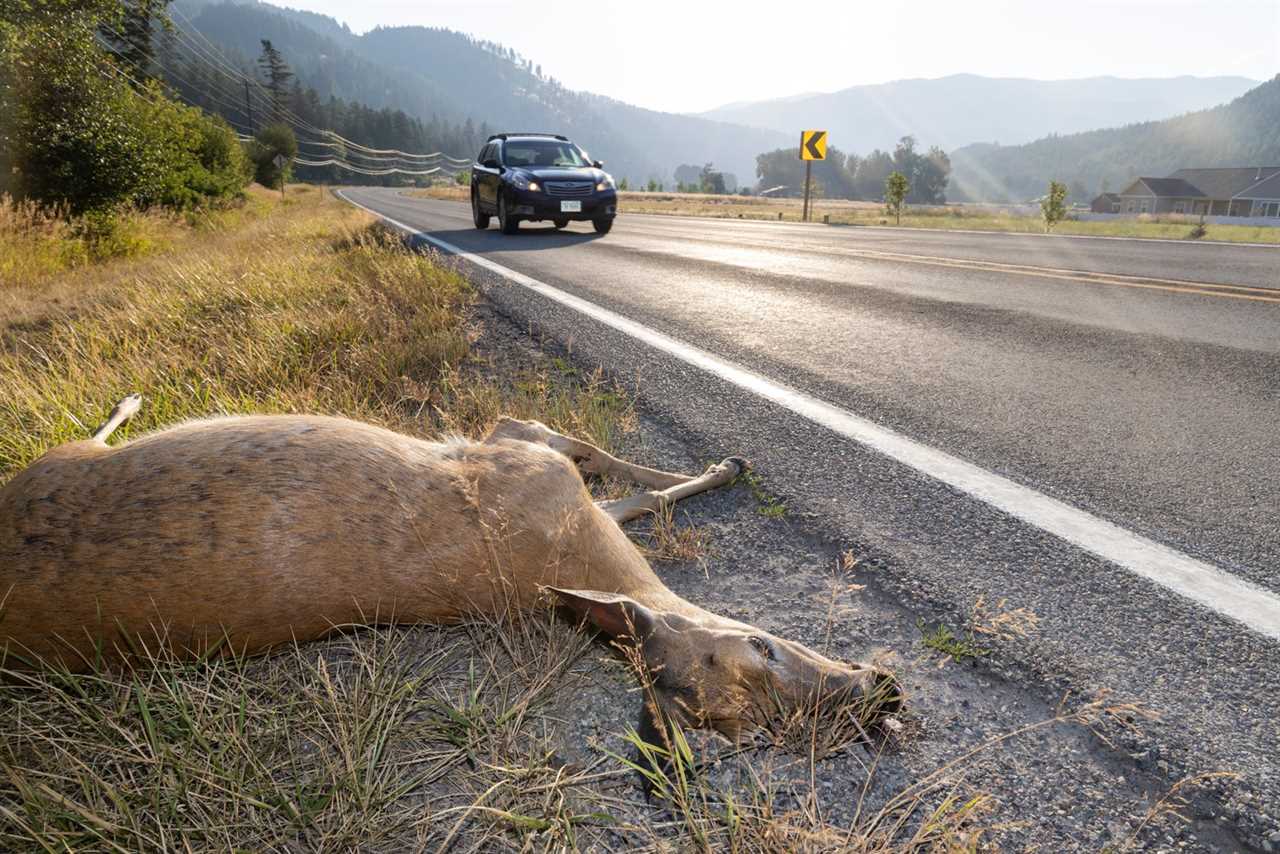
column 133, row 43
column 278, row 75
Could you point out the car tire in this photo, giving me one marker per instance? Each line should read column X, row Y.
column 603, row 225
column 480, row 218
column 560, row 223
column 506, row 222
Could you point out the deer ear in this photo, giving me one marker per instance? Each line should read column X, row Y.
column 616, row 615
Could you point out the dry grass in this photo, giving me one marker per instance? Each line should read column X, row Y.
column 676, row 540
column 845, row 212
column 38, row 244
column 387, row 739
column 975, row 217
column 303, row 308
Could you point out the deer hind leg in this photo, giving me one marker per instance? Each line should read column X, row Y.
column 120, row 413
column 590, row 459
column 634, row 506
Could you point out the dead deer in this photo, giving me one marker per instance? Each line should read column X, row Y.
column 250, row 532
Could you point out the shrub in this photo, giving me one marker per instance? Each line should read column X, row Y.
column 83, row 139
column 274, row 139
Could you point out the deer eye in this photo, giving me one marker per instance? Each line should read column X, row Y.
column 761, row 646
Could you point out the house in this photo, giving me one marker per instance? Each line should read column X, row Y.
column 1248, row 191
column 1106, row 203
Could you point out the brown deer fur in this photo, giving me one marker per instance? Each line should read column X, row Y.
column 270, row 529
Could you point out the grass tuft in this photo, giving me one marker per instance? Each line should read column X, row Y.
column 941, row 639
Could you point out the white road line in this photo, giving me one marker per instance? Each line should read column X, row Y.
column 1220, row 591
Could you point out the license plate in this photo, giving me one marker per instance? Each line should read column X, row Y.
column 571, row 207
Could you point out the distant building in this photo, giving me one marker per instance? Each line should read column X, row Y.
column 1248, row 191
column 1106, row 203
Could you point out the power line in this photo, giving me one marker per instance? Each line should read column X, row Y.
column 218, row 57
column 341, row 164
column 168, row 73
column 374, row 157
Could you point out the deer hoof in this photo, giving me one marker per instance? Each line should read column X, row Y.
column 739, row 463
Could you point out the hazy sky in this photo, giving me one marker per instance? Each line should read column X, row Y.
column 693, row 55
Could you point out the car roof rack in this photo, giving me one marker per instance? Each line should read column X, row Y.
column 527, row 133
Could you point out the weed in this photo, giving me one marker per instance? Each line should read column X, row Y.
column 770, row 504
column 941, row 639
column 667, row 540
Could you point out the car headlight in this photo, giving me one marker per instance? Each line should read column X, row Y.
column 522, row 181
column 605, row 184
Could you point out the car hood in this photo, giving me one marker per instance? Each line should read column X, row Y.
column 560, row 173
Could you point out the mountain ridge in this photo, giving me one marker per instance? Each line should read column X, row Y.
column 1242, row 132
column 941, row 110
column 434, row 71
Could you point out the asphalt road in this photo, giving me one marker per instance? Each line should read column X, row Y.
column 1136, row 380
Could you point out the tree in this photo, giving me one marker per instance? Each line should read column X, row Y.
column 83, row 138
column 1054, row 205
column 278, row 75
column 783, row 168
column 896, row 187
column 872, row 171
column 275, row 139
column 132, row 43
column 926, row 173
column 711, row 181
column 623, row 185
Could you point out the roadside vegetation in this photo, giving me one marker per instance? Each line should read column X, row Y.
column 378, row 739
column 849, row 213
column 500, row 735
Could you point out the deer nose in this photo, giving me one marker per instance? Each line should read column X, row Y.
column 881, row 691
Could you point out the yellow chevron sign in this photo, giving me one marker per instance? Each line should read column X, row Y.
column 813, row 145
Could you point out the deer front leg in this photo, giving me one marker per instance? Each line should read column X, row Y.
column 589, row 458
column 625, row 509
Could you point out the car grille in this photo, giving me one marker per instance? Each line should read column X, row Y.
column 570, row 188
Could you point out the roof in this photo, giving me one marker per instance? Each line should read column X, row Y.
column 1163, row 187
column 524, row 134
column 1267, row 188
column 1107, row 197
column 1224, row 183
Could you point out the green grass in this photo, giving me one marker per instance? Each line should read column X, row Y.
column 769, row 504
column 941, row 639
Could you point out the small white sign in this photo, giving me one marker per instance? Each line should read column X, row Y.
column 571, row 207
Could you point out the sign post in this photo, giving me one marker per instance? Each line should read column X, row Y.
column 280, row 161
column 813, row 146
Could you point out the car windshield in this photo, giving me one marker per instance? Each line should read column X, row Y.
column 543, row 152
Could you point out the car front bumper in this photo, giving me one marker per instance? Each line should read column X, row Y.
column 539, row 205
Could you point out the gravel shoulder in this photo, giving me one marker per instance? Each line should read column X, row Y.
column 1057, row 787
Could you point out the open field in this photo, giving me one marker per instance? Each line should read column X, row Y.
column 870, row 214
column 460, row 739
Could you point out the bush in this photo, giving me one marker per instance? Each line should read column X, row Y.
column 274, row 139
column 84, row 140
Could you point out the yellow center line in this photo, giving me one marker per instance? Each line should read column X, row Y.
column 1081, row 276
column 1085, row 277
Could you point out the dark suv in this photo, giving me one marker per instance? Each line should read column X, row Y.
column 540, row 176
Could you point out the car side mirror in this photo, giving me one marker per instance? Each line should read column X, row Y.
column 490, row 164
column 599, row 164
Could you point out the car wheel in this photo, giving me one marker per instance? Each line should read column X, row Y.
column 560, row 223
column 602, row 226
column 480, row 218
column 506, row 222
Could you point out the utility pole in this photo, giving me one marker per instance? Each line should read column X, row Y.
column 248, row 107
